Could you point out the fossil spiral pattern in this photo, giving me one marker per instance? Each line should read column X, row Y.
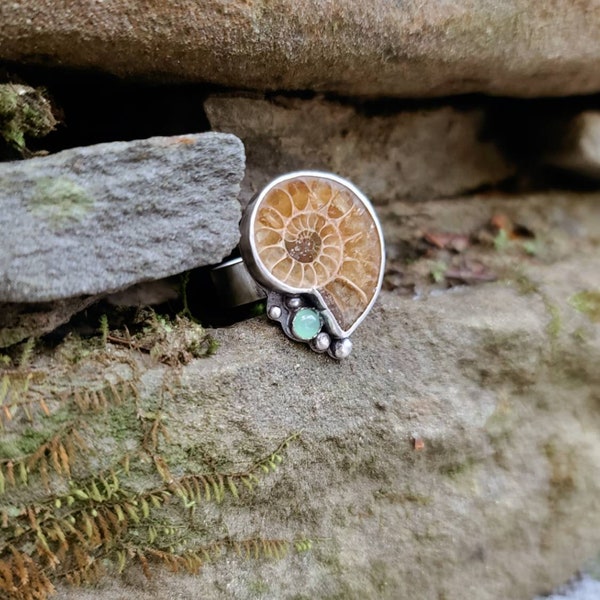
column 312, row 233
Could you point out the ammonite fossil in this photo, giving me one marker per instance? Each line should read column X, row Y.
column 314, row 242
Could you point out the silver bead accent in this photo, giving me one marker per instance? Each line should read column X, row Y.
column 321, row 342
column 341, row 348
column 294, row 302
column 274, row 312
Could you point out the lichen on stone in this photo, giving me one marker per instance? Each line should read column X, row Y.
column 60, row 200
column 588, row 303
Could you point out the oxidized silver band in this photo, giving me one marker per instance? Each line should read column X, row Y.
column 234, row 285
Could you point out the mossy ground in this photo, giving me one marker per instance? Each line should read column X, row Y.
column 93, row 477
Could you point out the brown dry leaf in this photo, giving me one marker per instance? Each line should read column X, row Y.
column 515, row 231
column 456, row 242
column 501, row 221
column 470, row 272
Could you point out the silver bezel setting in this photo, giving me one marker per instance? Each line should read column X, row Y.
column 289, row 299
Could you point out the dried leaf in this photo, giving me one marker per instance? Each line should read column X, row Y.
column 455, row 242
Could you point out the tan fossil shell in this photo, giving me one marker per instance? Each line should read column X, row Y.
column 312, row 233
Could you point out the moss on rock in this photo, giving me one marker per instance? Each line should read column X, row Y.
column 25, row 112
column 89, row 460
column 588, row 303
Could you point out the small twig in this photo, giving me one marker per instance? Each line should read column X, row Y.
column 127, row 342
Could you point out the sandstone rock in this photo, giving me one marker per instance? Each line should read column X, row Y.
column 506, row 483
column 557, row 219
column 377, row 48
column 581, row 588
column 21, row 321
column 497, row 383
column 412, row 154
column 575, row 146
column 101, row 218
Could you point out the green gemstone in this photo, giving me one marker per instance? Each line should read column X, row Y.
column 306, row 323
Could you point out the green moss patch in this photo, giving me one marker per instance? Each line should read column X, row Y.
column 24, row 112
column 588, row 303
column 93, row 476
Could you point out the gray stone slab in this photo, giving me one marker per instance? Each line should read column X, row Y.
column 20, row 321
column 98, row 219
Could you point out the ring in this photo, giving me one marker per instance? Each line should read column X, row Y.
column 313, row 243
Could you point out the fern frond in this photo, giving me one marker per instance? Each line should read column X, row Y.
column 59, row 452
column 104, row 330
column 22, row 579
column 26, row 353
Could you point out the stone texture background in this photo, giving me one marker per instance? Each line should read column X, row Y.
column 501, row 502
column 405, row 154
column 410, row 49
column 98, row 219
column 577, row 144
column 498, row 382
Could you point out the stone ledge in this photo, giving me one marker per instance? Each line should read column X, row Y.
column 409, row 49
column 507, row 481
column 100, row 218
column 411, row 154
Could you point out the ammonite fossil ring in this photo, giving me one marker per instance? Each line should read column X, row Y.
column 312, row 241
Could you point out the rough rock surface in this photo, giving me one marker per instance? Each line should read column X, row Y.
column 583, row 588
column 100, row 218
column 21, row 321
column 376, row 48
column 575, row 145
column 412, row 154
column 500, row 503
column 497, row 383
